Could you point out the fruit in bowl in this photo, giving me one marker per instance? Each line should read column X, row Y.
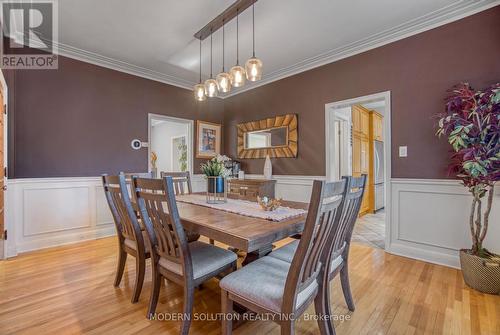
column 269, row 204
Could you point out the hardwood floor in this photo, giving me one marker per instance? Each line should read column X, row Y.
column 69, row 290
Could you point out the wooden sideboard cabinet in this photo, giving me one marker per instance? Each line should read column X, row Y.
column 249, row 189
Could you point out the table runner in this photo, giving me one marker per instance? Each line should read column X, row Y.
column 243, row 207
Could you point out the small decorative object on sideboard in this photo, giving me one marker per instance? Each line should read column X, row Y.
column 268, row 168
column 269, row 204
column 470, row 124
column 216, row 174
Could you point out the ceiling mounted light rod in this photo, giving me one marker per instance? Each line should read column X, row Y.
column 226, row 16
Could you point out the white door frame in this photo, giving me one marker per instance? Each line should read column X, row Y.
column 190, row 124
column 3, row 244
column 330, row 144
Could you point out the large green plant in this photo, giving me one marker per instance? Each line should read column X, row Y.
column 471, row 122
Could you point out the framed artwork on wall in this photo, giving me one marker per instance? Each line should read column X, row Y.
column 208, row 139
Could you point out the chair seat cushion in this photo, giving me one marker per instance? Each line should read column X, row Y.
column 262, row 282
column 206, row 259
column 132, row 244
column 286, row 253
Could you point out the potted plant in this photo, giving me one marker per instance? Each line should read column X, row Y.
column 471, row 122
column 216, row 172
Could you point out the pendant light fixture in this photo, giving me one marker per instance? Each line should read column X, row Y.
column 223, row 78
column 199, row 89
column 237, row 72
column 211, row 83
column 253, row 65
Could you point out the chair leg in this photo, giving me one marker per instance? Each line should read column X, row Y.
column 188, row 309
column 346, row 287
column 287, row 327
column 322, row 308
column 155, row 293
column 227, row 313
column 122, row 260
column 140, row 269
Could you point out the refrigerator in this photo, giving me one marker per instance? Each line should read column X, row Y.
column 378, row 175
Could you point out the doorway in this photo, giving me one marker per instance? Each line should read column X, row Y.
column 170, row 144
column 358, row 142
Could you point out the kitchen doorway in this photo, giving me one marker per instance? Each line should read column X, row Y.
column 358, row 142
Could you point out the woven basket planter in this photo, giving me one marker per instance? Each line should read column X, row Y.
column 479, row 273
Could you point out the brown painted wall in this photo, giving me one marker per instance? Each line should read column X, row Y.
column 79, row 120
column 417, row 70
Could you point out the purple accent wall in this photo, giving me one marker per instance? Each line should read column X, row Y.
column 417, row 70
column 79, row 120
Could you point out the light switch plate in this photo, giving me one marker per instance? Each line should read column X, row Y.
column 403, row 151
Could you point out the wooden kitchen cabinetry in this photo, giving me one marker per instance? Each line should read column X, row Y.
column 361, row 149
column 249, row 189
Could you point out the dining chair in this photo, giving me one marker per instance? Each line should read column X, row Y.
column 182, row 186
column 131, row 239
column 172, row 257
column 281, row 289
column 339, row 242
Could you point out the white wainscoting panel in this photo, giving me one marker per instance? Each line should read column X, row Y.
column 46, row 212
column 429, row 220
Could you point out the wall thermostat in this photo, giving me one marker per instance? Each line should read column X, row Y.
column 136, row 144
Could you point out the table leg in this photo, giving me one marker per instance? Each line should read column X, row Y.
column 254, row 255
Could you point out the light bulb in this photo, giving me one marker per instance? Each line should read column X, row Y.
column 254, row 69
column 211, row 88
column 224, row 82
column 237, row 76
column 199, row 92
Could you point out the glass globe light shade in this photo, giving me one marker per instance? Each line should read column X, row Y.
column 237, row 76
column 199, row 92
column 254, row 69
column 224, row 82
column 211, row 88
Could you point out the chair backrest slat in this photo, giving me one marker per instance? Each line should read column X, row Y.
column 352, row 204
column 158, row 210
column 181, row 180
column 324, row 213
column 117, row 195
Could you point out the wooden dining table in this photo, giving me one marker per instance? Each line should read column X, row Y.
column 253, row 235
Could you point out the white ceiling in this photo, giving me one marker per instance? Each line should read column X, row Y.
column 154, row 38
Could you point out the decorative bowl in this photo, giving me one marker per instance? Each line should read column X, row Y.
column 269, row 204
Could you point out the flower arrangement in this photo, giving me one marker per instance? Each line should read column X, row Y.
column 216, row 167
column 471, row 123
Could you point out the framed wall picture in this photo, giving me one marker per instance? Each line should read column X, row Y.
column 208, row 139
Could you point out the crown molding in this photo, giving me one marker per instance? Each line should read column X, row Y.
column 456, row 11
column 121, row 66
